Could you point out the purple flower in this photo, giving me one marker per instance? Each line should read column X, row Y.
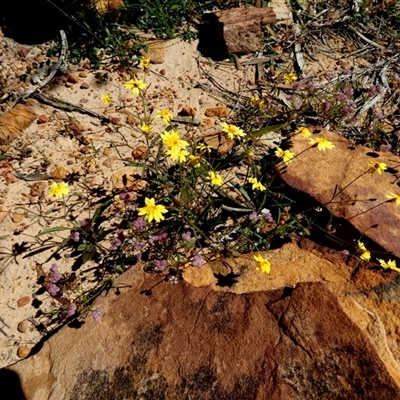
column 346, row 252
column 349, row 91
column 187, row 236
column 124, row 196
column 380, row 89
column 139, row 223
column 160, row 264
column 55, row 276
column 197, row 260
column 254, row 216
column 326, row 105
column 372, row 91
column 71, row 309
column 385, row 147
column 85, row 222
column 131, row 208
column 297, row 104
column 378, row 114
column 115, row 243
column 310, row 86
column 341, row 97
column 297, row 85
column 97, row 313
column 267, row 215
column 158, row 237
column 75, row 236
column 53, row 289
column 173, row 279
column 346, row 71
column 330, row 76
column 140, row 245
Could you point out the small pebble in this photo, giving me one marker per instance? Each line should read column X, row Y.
column 23, row 301
column 42, row 119
column 23, row 326
column 23, row 351
column 84, row 85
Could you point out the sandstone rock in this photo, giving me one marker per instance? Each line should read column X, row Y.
column 220, row 143
column 107, row 6
column 42, row 119
column 17, row 217
column 180, row 342
column 60, row 173
column 13, row 122
column 239, row 30
column 218, row 111
column 84, row 85
column 127, row 178
column 318, row 173
column 72, row 78
column 156, row 51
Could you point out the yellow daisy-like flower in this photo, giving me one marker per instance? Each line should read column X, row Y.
column 365, row 254
column 195, row 161
column 135, row 85
column 177, row 154
column 106, row 99
column 389, row 265
column 322, row 144
column 58, row 190
column 232, row 130
column 147, row 129
column 303, row 131
column 286, row 155
column 256, row 184
column 376, row 167
column 203, row 148
column 394, row 197
column 145, row 62
column 289, row 78
column 166, row 116
column 151, row 210
column 256, row 102
column 215, row 179
column 263, row 264
column 172, row 138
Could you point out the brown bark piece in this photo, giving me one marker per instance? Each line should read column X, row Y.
column 13, row 122
column 241, row 28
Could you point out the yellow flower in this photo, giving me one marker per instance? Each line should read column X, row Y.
column 390, row 264
column 135, row 85
column 106, row 98
column 166, row 115
column 195, row 161
column 289, row 78
column 58, row 189
column 147, row 129
column 145, row 62
column 257, row 185
column 394, row 197
column 203, row 148
column 376, row 167
column 232, row 130
column 322, row 144
column 257, row 102
column 365, row 254
column 172, row 138
column 263, row 264
column 305, row 132
column 215, row 179
column 152, row 211
column 177, row 154
column 286, row 155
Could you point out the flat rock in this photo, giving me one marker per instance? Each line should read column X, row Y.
column 318, row 173
column 180, row 342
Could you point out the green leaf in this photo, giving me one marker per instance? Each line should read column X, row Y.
column 268, row 129
column 2, row 157
column 55, row 229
